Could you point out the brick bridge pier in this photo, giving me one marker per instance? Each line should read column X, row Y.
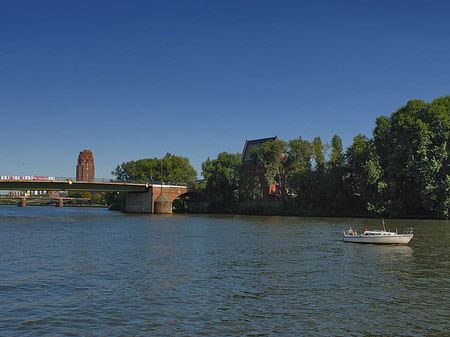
column 151, row 201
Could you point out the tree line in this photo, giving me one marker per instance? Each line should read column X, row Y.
column 403, row 170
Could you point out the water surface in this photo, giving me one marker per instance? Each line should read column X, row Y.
column 93, row 272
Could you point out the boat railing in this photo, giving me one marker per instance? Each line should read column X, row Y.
column 408, row 231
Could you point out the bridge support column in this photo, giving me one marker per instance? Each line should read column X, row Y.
column 157, row 199
column 138, row 202
column 23, row 202
column 60, row 203
column 163, row 205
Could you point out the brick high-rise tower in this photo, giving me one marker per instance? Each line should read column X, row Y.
column 85, row 167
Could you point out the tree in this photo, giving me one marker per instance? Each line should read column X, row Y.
column 365, row 178
column 337, row 191
column 249, row 184
column 297, row 164
column 98, row 198
column 436, row 176
column 298, row 155
column 177, row 169
column 222, row 180
column 114, row 200
column 86, row 194
column 74, row 194
column 411, row 146
column 170, row 168
column 249, row 181
column 271, row 158
column 318, row 153
column 400, row 141
column 337, row 156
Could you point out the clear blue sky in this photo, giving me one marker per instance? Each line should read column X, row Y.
column 136, row 79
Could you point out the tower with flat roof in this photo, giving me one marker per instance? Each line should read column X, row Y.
column 85, row 167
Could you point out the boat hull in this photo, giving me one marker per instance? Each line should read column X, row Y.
column 380, row 239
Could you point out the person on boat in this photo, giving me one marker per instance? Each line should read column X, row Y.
column 351, row 232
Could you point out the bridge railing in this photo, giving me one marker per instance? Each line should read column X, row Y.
column 150, row 182
column 95, row 180
column 111, row 180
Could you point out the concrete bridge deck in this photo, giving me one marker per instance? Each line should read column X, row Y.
column 69, row 185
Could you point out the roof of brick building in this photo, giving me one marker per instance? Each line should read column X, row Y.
column 252, row 143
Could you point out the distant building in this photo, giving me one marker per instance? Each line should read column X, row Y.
column 265, row 191
column 85, row 167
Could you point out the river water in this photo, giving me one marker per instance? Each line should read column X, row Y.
column 93, row 272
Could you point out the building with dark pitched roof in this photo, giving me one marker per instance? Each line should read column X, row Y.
column 266, row 191
column 246, row 157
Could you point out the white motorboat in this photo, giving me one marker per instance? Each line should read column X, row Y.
column 379, row 236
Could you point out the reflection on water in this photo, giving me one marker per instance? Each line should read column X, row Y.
column 94, row 272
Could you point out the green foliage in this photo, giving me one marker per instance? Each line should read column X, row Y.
column 249, row 185
column 98, row 198
column 298, row 156
column 114, row 200
column 412, row 147
column 86, row 194
column 171, row 168
column 336, row 193
column 297, row 163
column 74, row 194
column 318, row 153
column 268, row 160
column 271, row 159
column 337, row 156
column 222, row 180
column 402, row 171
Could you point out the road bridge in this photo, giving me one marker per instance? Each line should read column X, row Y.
column 139, row 197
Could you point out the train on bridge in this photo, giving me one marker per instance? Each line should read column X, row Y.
column 39, row 178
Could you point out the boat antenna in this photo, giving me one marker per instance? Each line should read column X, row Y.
column 382, row 221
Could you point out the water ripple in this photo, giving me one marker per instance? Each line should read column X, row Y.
column 96, row 273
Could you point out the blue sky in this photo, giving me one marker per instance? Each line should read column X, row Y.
column 137, row 79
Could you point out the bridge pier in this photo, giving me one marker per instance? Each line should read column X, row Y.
column 60, row 203
column 157, row 199
column 163, row 205
column 23, row 202
column 138, row 202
